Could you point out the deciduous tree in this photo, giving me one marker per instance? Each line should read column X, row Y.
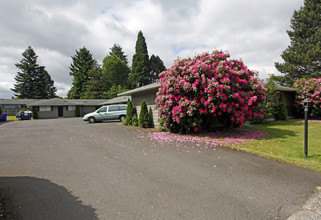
column 115, row 72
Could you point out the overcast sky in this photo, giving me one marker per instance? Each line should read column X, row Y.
column 254, row 30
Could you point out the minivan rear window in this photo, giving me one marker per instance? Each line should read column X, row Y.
column 113, row 108
column 123, row 107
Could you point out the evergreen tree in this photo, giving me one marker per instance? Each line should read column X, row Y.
column 45, row 85
column 114, row 90
column 118, row 51
column 303, row 57
column 144, row 120
column 140, row 67
column 156, row 66
column 33, row 82
column 129, row 112
column 95, row 86
column 115, row 72
column 82, row 63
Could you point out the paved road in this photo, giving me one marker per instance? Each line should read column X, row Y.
column 68, row 169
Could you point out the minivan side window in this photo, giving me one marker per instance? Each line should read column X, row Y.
column 123, row 107
column 113, row 108
column 102, row 109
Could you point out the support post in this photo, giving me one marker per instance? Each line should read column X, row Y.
column 306, row 132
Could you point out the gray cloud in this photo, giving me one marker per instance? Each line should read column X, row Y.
column 252, row 30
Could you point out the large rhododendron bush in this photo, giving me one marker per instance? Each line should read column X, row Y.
column 310, row 89
column 197, row 91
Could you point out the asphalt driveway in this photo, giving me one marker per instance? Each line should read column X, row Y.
column 68, row 169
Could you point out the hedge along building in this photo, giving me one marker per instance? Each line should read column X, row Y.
column 148, row 93
column 54, row 108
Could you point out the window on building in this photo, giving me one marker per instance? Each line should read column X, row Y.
column 45, row 108
column 71, row 108
column 7, row 106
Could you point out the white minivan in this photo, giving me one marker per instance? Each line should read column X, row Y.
column 108, row 112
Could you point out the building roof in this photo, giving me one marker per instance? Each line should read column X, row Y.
column 16, row 101
column 284, row 88
column 117, row 100
column 88, row 102
column 66, row 102
column 151, row 86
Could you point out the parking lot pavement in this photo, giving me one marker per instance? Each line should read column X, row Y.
column 67, row 168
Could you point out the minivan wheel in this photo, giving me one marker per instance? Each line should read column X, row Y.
column 122, row 118
column 91, row 120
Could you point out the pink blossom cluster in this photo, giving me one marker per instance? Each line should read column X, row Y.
column 310, row 89
column 208, row 84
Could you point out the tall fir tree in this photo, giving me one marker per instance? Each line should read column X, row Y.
column 140, row 74
column 118, row 51
column 156, row 66
column 33, row 82
column 115, row 72
column 95, row 85
column 303, row 57
column 79, row 68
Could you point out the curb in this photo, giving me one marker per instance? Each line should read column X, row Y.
column 312, row 208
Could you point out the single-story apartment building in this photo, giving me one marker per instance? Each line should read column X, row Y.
column 148, row 93
column 51, row 108
column 56, row 107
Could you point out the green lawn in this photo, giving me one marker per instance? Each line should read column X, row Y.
column 286, row 143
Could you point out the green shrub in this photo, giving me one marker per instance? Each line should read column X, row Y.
column 77, row 111
column 135, row 112
column 134, row 121
column 129, row 112
column 280, row 110
column 0, row 110
column 34, row 112
column 144, row 118
column 124, row 122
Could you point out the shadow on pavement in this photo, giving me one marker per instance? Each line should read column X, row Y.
column 34, row 198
